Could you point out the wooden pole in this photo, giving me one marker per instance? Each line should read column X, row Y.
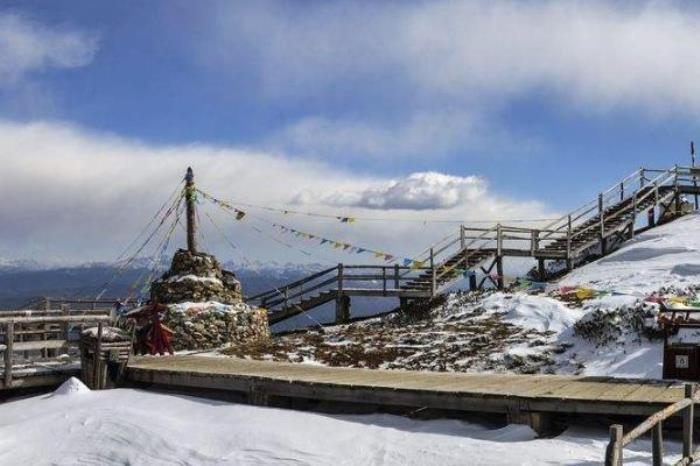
column 190, row 195
column 688, row 422
column 433, row 277
column 96, row 362
column 657, row 444
column 613, row 454
column 9, row 340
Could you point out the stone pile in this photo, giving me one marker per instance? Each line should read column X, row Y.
column 212, row 325
column 196, row 277
column 205, row 304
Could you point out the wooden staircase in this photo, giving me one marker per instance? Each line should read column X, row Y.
column 589, row 231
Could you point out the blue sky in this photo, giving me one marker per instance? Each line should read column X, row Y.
column 547, row 102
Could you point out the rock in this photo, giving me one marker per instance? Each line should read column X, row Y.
column 196, row 277
column 208, row 325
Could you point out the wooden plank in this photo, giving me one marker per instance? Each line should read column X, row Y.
column 471, row 392
column 39, row 345
column 54, row 319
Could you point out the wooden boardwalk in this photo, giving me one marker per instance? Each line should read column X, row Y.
column 450, row 391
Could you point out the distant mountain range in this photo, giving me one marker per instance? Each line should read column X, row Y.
column 23, row 281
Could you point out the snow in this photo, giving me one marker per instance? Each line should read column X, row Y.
column 138, row 428
column 108, row 333
column 72, row 386
column 194, row 278
column 668, row 255
column 535, row 312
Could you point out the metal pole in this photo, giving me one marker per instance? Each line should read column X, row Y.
column 190, row 195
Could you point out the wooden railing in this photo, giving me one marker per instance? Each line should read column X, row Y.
column 654, row 424
column 472, row 245
column 384, row 278
column 40, row 335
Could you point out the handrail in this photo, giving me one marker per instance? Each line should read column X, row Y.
column 614, row 452
column 293, row 284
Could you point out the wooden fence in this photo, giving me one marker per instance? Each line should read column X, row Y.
column 654, row 423
column 37, row 337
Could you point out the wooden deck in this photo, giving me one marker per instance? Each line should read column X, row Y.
column 462, row 392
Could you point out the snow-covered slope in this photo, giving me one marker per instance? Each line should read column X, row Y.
column 610, row 330
column 118, row 427
column 665, row 256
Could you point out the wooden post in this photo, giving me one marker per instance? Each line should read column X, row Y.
column 96, row 361
column 9, row 344
column 641, row 177
column 499, row 240
column 613, row 454
column 340, row 279
column 534, row 241
column 657, row 444
column 462, row 242
column 472, row 281
column 433, row 275
column 342, row 309
column 499, row 271
column 602, row 224
column 47, row 303
column 190, row 195
column 688, row 422
column 568, row 244
column 396, row 276
column 634, row 213
column 384, row 281
column 541, row 270
column 622, row 191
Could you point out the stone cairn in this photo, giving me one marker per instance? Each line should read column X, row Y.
column 205, row 304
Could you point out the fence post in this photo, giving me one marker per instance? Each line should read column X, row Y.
column 97, row 362
column 634, row 213
column 657, row 444
column 462, row 241
column 396, row 276
column 534, row 240
column 641, row 177
column 433, row 279
column 286, row 299
column 9, row 340
column 601, row 216
column 340, row 279
column 622, row 191
column 384, row 280
column 613, row 454
column 47, row 304
column 499, row 240
column 568, row 244
column 688, row 422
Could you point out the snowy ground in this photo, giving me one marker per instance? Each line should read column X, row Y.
column 527, row 331
column 131, row 427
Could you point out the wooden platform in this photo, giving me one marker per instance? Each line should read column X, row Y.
column 40, row 375
column 464, row 392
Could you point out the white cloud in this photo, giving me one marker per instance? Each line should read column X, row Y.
column 72, row 195
column 418, row 191
column 27, row 47
column 595, row 55
column 421, row 134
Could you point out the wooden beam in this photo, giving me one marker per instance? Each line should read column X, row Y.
column 9, row 343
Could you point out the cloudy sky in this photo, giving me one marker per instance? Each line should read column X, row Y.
column 412, row 110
